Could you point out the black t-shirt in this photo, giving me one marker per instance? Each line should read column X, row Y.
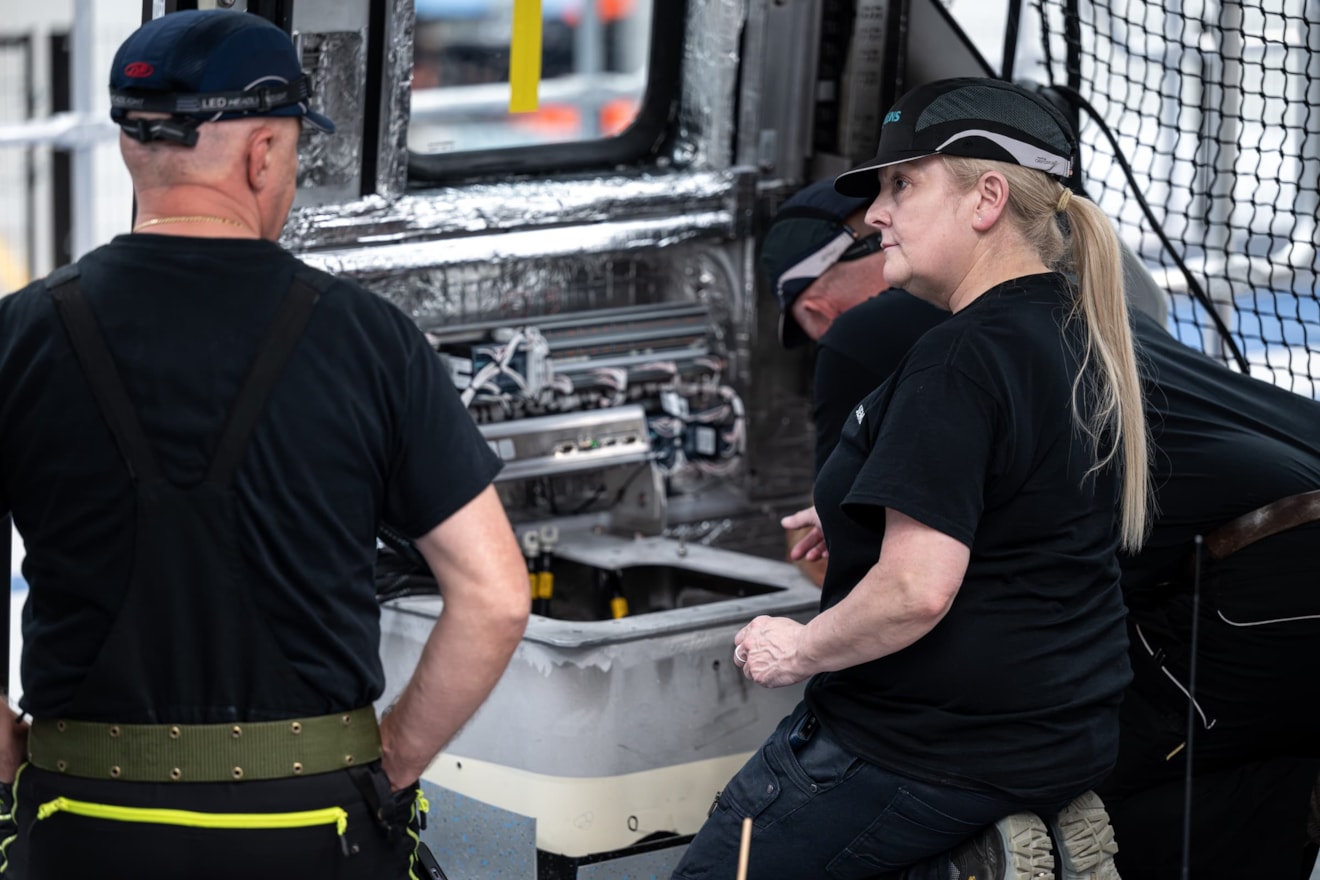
column 859, row 352
column 1238, row 444
column 1017, row 688
column 363, row 425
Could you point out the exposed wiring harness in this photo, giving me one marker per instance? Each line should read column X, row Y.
column 696, row 422
column 483, row 381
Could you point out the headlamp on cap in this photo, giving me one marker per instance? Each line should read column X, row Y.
column 187, row 112
column 176, row 129
column 200, row 66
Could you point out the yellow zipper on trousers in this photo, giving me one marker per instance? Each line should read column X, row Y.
column 4, row 844
column 303, row 819
column 422, row 805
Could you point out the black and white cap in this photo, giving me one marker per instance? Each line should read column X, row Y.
column 973, row 117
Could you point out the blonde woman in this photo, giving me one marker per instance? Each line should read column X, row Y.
column 967, row 664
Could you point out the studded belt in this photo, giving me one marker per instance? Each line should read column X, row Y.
column 205, row 752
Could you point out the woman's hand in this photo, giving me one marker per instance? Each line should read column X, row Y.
column 812, row 546
column 767, row 652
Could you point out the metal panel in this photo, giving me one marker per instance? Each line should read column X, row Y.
column 778, row 93
column 333, row 38
column 936, row 48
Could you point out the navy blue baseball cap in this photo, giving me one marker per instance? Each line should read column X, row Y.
column 210, row 65
column 808, row 235
column 973, row 117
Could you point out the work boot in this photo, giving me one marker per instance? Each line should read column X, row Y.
column 1085, row 840
column 1016, row 847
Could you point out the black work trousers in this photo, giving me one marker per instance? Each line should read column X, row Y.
column 69, row 827
column 1248, row 811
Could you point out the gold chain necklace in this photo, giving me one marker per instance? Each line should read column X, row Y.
column 192, row 218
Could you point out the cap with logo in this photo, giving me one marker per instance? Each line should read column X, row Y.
column 808, row 235
column 205, row 66
column 973, row 117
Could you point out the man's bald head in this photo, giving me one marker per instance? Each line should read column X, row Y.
column 244, row 170
column 216, row 158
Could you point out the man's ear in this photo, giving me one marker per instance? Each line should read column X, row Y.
column 812, row 305
column 259, row 145
column 991, row 192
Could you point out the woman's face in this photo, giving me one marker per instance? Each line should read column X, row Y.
column 927, row 229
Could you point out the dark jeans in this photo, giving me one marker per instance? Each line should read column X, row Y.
column 819, row 811
column 65, row 845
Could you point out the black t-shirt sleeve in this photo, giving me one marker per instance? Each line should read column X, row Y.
column 931, row 454
column 840, row 384
column 441, row 461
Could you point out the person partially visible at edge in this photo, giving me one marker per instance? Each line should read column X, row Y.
column 966, row 666
column 822, row 261
column 200, row 436
column 1237, row 462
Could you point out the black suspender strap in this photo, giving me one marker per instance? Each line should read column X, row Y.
column 108, row 388
column 281, row 339
column 103, row 377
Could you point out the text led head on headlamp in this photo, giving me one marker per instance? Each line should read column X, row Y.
column 206, row 66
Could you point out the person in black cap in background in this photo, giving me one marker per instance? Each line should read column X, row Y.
column 826, row 268
column 967, row 664
column 199, row 439
column 823, row 261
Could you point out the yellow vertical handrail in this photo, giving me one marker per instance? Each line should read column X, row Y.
column 525, row 57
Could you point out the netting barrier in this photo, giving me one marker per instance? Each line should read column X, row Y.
column 1215, row 108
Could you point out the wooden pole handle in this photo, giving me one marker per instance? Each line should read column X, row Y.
column 744, row 848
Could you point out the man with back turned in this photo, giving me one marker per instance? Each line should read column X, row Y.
column 199, row 438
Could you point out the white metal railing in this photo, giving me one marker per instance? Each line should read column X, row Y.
column 81, row 131
column 68, row 131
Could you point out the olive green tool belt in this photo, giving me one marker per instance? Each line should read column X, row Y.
column 205, row 752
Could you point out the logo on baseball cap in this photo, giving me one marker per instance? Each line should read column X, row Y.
column 209, row 65
column 973, row 117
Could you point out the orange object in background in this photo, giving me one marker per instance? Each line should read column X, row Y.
column 608, row 10
column 551, row 122
column 617, row 115
column 555, row 122
column 613, row 10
